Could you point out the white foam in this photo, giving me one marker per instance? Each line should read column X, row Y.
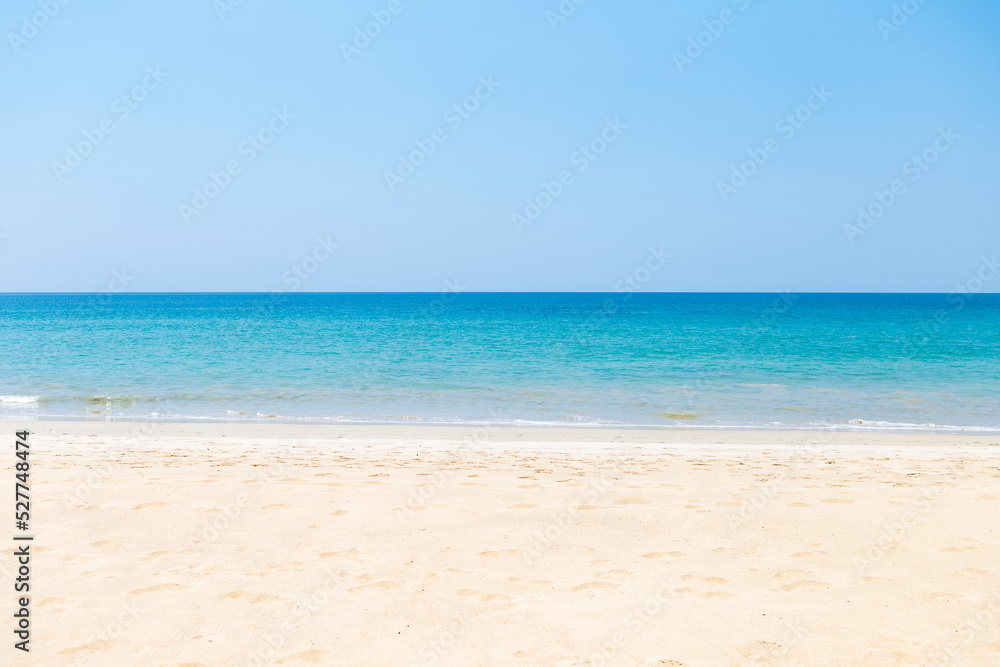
column 19, row 400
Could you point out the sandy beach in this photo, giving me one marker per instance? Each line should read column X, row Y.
column 235, row 544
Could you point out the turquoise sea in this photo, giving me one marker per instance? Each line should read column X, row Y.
column 845, row 361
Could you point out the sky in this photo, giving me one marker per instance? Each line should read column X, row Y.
column 499, row 145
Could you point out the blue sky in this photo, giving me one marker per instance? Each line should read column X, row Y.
column 309, row 129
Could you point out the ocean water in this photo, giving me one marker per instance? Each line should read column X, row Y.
column 841, row 361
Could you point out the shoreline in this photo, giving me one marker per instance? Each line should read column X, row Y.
column 489, row 436
column 853, row 426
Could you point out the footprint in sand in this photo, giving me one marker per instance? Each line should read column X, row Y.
column 965, row 548
column 717, row 594
column 100, row 645
column 632, row 501
column 158, row 588
column 331, row 554
column 707, row 580
column 508, row 552
column 525, row 506
column 942, row 597
column 158, row 554
column 800, row 504
column 485, row 597
column 836, row 500
column 377, row 585
column 145, row 505
column 782, row 574
column 338, row 513
column 49, row 601
column 736, row 552
column 613, row 575
column 762, row 650
column 808, row 554
column 803, row 583
column 252, row 598
column 595, row 584
column 313, row 656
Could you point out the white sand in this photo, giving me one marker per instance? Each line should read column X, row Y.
column 308, row 545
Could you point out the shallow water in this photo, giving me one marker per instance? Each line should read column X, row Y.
column 865, row 361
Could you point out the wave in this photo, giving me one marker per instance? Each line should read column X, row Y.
column 907, row 426
column 20, row 400
column 566, row 421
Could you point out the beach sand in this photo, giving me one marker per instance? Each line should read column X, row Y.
column 235, row 544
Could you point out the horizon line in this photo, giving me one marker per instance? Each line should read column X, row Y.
column 107, row 293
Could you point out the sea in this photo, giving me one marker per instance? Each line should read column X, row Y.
column 911, row 362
